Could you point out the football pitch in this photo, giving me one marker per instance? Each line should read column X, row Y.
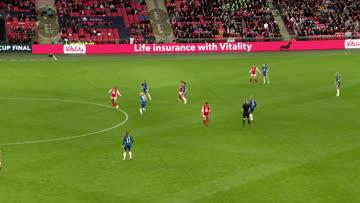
column 60, row 140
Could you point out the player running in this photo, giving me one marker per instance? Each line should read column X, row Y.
column 182, row 92
column 114, row 92
column 145, row 89
column 246, row 112
column 142, row 99
column 265, row 73
column 253, row 72
column 127, row 143
column 337, row 83
column 252, row 105
column 205, row 111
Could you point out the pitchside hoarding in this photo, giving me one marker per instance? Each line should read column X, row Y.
column 15, row 48
column 352, row 44
column 192, row 48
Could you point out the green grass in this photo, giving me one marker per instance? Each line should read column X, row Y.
column 304, row 147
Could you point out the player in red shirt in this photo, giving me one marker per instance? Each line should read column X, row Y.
column 114, row 92
column 253, row 71
column 205, row 111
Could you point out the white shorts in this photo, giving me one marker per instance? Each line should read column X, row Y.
column 253, row 75
column 114, row 98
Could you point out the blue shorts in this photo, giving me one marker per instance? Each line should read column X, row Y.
column 127, row 148
column 145, row 91
column 143, row 105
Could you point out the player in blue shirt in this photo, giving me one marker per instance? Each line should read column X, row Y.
column 145, row 89
column 337, row 83
column 142, row 99
column 127, row 143
column 183, row 92
column 265, row 73
column 252, row 104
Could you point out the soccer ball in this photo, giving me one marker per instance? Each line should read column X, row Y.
column 117, row 107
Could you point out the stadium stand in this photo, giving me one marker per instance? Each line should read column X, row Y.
column 100, row 21
column 20, row 20
column 125, row 21
column 244, row 20
column 321, row 19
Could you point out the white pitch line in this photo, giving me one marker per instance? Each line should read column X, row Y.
column 71, row 137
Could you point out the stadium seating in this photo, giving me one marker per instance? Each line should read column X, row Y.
column 21, row 20
column 106, row 28
column 117, row 21
column 25, row 6
column 209, row 20
column 320, row 19
column 21, row 29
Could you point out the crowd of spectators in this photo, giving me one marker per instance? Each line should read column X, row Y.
column 134, row 14
column 18, row 5
column 220, row 19
column 311, row 18
column 21, row 20
column 21, row 28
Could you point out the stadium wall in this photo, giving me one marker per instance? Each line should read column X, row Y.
column 174, row 48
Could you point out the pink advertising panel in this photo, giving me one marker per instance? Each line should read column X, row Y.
column 233, row 47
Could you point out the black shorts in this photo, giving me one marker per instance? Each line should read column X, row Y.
column 246, row 115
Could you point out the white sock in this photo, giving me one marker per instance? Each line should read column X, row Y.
column 268, row 81
column 185, row 100
column 130, row 155
column 337, row 92
column 264, row 80
column 144, row 109
column 124, row 156
column 140, row 111
column 149, row 96
column 251, row 117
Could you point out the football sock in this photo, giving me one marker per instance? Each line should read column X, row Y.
column 243, row 123
column 140, row 111
column 124, row 156
column 264, row 80
column 130, row 155
column 185, row 100
column 149, row 96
